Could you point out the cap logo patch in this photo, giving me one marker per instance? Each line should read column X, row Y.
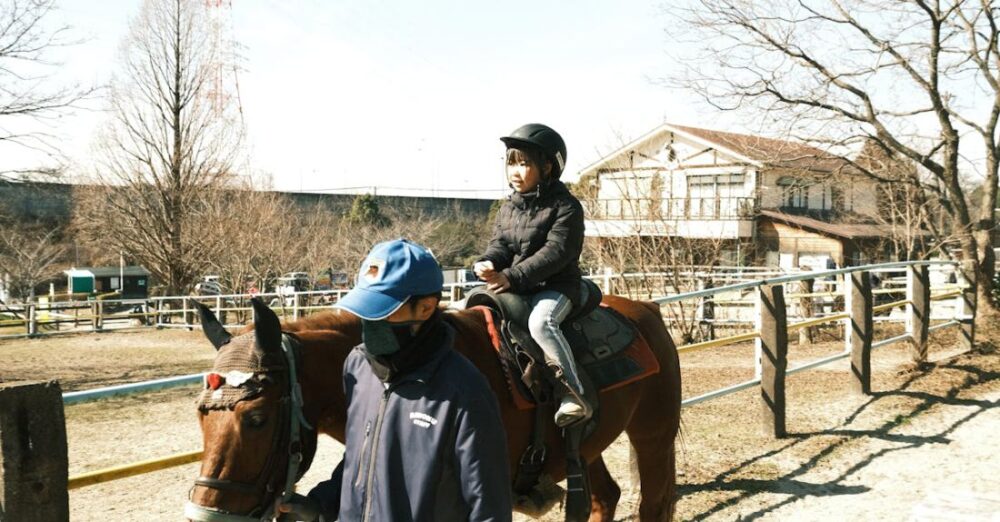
column 375, row 269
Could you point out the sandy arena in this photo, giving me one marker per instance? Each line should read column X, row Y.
column 922, row 447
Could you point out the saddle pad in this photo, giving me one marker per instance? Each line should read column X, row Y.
column 632, row 364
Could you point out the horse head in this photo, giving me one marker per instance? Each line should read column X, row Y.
column 250, row 411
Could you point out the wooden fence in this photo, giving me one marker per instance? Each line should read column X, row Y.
column 32, row 429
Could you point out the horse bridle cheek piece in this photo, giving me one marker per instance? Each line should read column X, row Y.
column 291, row 410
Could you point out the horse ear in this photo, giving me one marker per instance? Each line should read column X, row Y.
column 266, row 325
column 216, row 333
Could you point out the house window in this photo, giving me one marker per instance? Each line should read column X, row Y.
column 837, row 198
column 714, row 196
column 794, row 193
column 833, row 198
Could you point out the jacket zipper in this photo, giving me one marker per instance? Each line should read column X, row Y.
column 366, row 513
column 361, row 457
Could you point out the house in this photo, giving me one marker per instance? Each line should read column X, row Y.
column 106, row 279
column 762, row 200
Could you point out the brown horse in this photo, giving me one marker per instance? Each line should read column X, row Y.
column 243, row 467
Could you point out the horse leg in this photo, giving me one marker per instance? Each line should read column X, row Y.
column 604, row 492
column 652, row 431
column 657, row 473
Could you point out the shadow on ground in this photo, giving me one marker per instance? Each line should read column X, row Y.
column 791, row 484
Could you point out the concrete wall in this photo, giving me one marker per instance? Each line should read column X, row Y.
column 36, row 201
column 54, row 202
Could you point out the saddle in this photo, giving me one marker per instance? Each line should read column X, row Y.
column 598, row 336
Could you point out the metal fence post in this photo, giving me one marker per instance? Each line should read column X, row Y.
column 966, row 303
column 708, row 309
column 918, row 293
column 859, row 330
column 772, row 345
column 806, row 311
column 31, row 314
column 33, row 452
column 158, row 314
column 456, row 294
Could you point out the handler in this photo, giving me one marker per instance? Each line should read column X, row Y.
column 424, row 435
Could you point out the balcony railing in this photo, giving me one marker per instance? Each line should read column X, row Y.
column 669, row 209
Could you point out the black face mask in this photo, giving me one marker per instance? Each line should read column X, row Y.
column 385, row 338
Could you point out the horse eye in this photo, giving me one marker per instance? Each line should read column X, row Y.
column 255, row 419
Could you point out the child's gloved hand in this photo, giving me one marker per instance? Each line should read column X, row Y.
column 484, row 270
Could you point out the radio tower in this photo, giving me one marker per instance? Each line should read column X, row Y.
column 224, row 87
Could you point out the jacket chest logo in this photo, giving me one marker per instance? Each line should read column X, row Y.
column 422, row 419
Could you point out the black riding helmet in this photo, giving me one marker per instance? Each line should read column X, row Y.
column 543, row 138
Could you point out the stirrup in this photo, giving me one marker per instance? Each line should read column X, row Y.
column 579, row 411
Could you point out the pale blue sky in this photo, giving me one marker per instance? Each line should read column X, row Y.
column 415, row 94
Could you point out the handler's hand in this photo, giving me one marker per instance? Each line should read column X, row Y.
column 498, row 283
column 299, row 507
column 484, row 270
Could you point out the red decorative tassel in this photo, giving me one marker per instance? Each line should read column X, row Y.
column 215, row 380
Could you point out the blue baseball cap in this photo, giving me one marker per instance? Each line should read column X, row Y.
column 393, row 272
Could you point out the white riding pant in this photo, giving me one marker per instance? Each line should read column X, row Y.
column 548, row 310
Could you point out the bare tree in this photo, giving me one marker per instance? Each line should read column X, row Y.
column 265, row 235
column 452, row 236
column 28, row 256
column 26, row 90
column 912, row 214
column 918, row 78
column 167, row 151
column 660, row 261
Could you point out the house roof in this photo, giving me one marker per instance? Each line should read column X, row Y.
column 842, row 230
column 754, row 150
column 106, row 271
column 770, row 151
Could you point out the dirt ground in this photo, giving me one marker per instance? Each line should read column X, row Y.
column 922, row 446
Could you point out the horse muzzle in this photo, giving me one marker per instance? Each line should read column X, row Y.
column 197, row 513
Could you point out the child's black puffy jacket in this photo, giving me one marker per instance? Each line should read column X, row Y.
column 537, row 241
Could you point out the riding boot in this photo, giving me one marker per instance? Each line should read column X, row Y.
column 574, row 407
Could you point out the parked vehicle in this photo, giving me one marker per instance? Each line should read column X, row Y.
column 293, row 282
column 287, row 285
column 461, row 276
column 330, row 280
column 209, row 285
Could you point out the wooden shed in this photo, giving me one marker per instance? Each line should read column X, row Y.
column 793, row 241
column 132, row 281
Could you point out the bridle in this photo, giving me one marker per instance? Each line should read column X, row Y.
column 267, row 481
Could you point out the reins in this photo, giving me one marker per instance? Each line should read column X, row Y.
column 292, row 415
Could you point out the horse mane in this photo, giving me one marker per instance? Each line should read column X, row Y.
column 337, row 320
